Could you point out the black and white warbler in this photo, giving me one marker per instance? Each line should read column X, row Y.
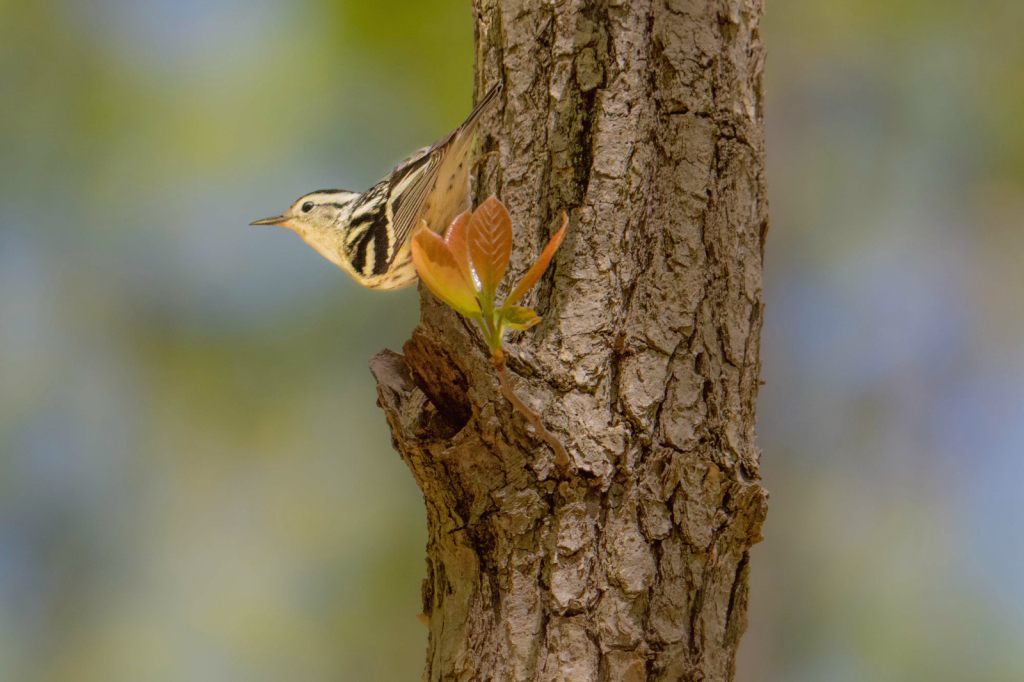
column 367, row 235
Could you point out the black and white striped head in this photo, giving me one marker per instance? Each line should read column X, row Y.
column 314, row 213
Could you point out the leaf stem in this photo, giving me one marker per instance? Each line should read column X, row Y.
column 561, row 456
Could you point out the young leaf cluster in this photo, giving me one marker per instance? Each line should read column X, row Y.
column 465, row 266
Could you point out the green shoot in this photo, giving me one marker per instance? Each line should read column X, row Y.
column 464, row 269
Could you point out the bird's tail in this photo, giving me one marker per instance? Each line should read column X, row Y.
column 485, row 103
column 466, row 129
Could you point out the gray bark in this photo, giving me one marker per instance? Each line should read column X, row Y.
column 642, row 120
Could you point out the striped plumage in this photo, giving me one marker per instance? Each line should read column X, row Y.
column 368, row 234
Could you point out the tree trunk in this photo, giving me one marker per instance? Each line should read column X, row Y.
column 642, row 120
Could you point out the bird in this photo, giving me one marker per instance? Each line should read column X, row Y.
column 368, row 234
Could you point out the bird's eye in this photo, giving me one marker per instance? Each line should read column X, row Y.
column 307, row 207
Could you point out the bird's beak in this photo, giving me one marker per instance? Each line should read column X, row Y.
column 276, row 220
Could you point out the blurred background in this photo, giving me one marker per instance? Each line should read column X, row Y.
column 195, row 483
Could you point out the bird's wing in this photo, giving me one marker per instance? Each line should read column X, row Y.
column 412, row 185
column 413, row 180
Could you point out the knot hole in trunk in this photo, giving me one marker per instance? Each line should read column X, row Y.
column 439, row 376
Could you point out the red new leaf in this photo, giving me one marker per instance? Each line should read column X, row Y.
column 533, row 275
column 458, row 243
column 439, row 270
column 490, row 244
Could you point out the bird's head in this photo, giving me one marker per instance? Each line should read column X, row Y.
column 315, row 213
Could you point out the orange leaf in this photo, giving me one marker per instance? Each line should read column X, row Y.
column 458, row 243
column 518, row 317
column 533, row 275
column 439, row 270
column 490, row 244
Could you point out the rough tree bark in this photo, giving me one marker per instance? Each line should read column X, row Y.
column 642, row 120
